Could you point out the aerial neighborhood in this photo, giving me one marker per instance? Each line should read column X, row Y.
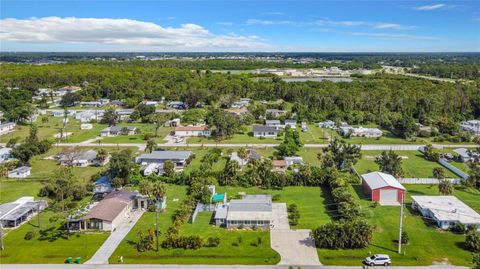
column 191, row 166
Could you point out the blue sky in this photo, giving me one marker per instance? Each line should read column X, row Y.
column 246, row 25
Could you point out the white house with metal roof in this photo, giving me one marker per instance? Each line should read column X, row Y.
column 446, row 211
column 179, row 158
column 250, row 211
column 19, row 172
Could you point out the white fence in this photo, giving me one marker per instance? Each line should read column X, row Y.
column 425, row 180
column 201, row 208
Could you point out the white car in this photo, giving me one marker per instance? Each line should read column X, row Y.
column 179, row 139
column 378, row 259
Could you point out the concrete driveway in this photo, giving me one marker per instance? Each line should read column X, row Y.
column 295, row 247
column 108, row 247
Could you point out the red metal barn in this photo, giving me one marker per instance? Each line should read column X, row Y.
column 383, row 188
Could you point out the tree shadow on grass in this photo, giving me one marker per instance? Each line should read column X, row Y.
column 384, row 248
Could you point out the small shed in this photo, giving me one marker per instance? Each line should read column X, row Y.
column 383, row 188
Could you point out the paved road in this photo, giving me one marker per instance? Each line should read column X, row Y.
column 295, row 247
column 364, row 147
column 106, row 250
column 172, row 266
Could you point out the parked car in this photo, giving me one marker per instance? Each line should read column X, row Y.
column 378, row 259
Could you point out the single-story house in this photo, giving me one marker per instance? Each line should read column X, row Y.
column 250, row 211
column 275, row 112
column 16, row 213
column 265, row 131
column 176, row 105
column 179, row 158
column 383, row 188
column 446, row 211
column 291, row 160
column 110, row 212
column 360, row 131
column 173, row 123
column 150, row 103
column 20, row 172
column 81, row 159
column 89, row 115
column 471, row 126
column 464, row 155
column 6, row 155
column 7, row 127
column 274, row 123
column 102, row 186
column 124, row 114
column 91, row 104
column 151, row 168
column 291, row 123
column 252, row 154
column 327, row 124
column 86, row 126
column 279, row 166
column 115, row 130
column 187, row 131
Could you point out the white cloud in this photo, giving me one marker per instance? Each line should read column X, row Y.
column 394, row 26
column 388, row 36
column 274, row 13
column 270, row 22
column 431, row 7
column 225, row 23
column 332, row 23
column 120, row 32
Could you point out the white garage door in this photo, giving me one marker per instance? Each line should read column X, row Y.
column 388, row 197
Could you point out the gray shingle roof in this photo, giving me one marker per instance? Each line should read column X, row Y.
column 263, row 128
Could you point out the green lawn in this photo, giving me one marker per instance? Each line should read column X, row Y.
column 54, row 249
column 225, row 253
column 139, row 138
column 52, row 127
column 427, row 244
column 240, row 138
column 414, row 166
column 311, row 202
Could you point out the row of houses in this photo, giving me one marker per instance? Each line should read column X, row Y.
column 471, row 126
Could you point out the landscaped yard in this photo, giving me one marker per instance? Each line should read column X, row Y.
column 54, row 247
column 225, row 253
column 414, row 166
column 427, row 244
column 139, row 138
column 240, row 138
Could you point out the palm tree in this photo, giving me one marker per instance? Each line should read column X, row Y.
column 155, row 191
column 445, row 187
column 151, row 145
column 243, row 155
column 102, row 155
column 439, row 172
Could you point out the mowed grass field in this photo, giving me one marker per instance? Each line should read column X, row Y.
column 414, row 165
column 144, row 128
column 225, row 253
column 428, row 245
column 47, row 130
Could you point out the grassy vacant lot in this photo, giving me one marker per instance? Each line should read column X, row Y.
column 138, row 138
column 240, row 138
column 225, row 253
column 414, row 166
column 55, row 247
column 52, row 127
column 427, row 244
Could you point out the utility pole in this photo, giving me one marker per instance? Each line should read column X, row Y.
column 401, row 225
column 156, row 223
column 1, row 237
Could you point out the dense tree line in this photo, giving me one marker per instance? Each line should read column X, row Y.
column 381, row 99
column 454, row 71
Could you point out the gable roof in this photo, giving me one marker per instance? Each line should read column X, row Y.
column 377, row 180
column 191, row 128
column 263, row 128
column 111, row 206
